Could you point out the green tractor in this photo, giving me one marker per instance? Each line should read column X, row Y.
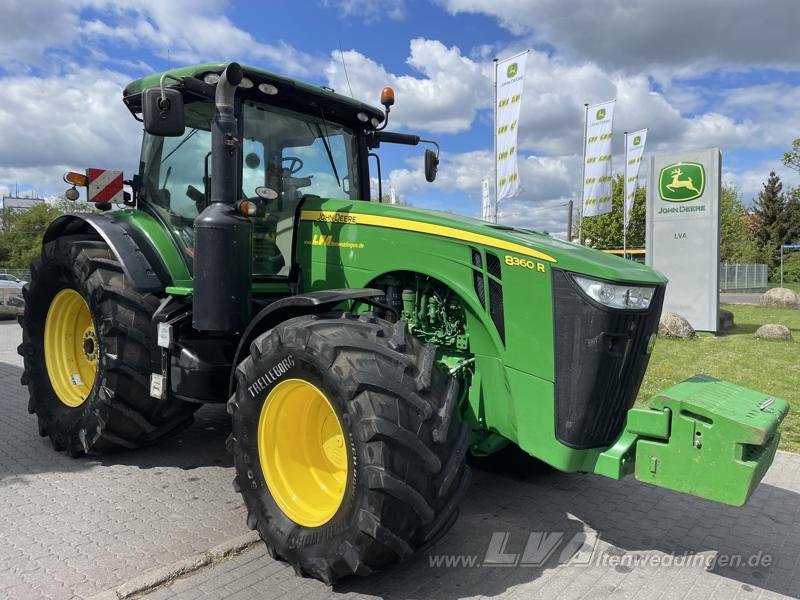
column 364, row 349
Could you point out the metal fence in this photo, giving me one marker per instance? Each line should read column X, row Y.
column 736, row 276
column 23, row 274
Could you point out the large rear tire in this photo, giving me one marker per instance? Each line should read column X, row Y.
column 86, row 338
column 348, row 445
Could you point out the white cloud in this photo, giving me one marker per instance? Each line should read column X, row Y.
column 681, row 34
column 369, row 11
column 29, row 27
column 444, row 100
column 60, row 123
column 548, row 183
column 46, row 32
column 191, row 31
column 551, row 122
column 749, row 182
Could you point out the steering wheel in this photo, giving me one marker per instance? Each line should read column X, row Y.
column 295, row 164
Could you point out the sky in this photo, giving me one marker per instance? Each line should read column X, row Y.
column 696, row 73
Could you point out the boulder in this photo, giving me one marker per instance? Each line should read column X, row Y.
column 674, row 325
column 725, row 320
column 772, row 331
column 782, row 297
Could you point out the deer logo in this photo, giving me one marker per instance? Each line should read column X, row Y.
column 680, row 182
column 677, row 182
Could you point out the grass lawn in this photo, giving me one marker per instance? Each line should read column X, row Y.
column 771, row 367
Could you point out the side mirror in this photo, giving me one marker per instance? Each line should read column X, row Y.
column 163, row 116
column 431, row 165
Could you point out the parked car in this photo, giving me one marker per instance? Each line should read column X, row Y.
column 6, row 279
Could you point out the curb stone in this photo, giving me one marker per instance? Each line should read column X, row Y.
column 161, row 575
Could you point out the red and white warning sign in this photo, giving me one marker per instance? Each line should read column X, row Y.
column 104, row 186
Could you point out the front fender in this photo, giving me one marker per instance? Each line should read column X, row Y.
column 288, row 308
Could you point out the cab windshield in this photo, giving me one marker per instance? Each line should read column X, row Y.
column 285, row 156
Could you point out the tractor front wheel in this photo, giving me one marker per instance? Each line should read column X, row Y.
column 86, row 338
column 348, row 445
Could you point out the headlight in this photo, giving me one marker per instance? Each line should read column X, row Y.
column 613, row 295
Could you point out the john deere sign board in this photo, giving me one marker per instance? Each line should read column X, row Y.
column 683, row 232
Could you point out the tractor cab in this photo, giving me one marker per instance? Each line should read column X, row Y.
column 286, row 155
column 294, row 141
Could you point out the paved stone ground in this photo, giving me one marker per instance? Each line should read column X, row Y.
column 72, row 528
column 632, row 521
column 731, row 298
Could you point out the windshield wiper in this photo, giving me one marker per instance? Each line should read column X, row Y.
column 328, row 147
column 183, row 141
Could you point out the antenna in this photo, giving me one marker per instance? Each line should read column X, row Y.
column 344, row 66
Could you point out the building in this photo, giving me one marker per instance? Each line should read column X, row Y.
column 20, row 203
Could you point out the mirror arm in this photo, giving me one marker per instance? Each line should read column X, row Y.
column 161, row 84
column 433, row 143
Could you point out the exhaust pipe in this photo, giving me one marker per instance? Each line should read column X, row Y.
column 223, row 237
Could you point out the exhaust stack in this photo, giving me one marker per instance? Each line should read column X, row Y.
column 223, row 237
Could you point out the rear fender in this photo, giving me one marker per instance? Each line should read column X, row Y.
column 140, row 261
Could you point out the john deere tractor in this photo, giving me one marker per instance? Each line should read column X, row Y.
column 363, row 349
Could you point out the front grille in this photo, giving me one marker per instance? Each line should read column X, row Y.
column 493, row 265
column 476, row 259
column 481, row 279
column 496, row 308
column 477, row 281
column 600, row 360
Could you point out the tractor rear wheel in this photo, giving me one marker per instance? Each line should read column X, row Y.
column 348, row 444
column 86, row 343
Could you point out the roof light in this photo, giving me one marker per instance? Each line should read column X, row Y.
column 363, row 117
column 268, row 89
column 375, row 121
column 246, row 83
column 211, row 78
column 387, row 97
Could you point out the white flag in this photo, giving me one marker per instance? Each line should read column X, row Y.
column 634, row 150
column 486, row 201
column 509, row 74
column 597, row 154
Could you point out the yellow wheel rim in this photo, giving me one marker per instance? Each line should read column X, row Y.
column 301, row 446
column 70, row 347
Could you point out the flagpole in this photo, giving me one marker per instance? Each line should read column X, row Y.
column 625, row 201
column 583, row 170
column 494, row 140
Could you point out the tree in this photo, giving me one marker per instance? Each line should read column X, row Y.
column 606, row 231
column 792, row 235
column 21, row 241
column 792, row 158
column 738, row 243
column 770, row 211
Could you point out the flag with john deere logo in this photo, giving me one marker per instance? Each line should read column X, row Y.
column 597, row 159
column 634, row 150
column 509, row 74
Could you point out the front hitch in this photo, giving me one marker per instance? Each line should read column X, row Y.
column 705, row 437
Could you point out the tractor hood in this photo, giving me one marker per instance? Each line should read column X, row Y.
column 516, row 241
